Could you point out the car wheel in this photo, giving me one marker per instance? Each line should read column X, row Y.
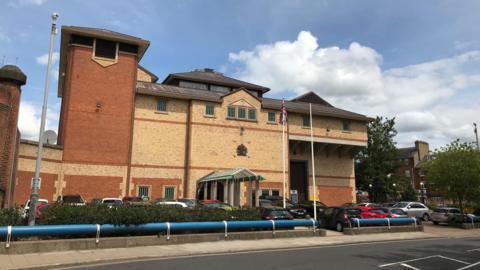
column 435, row 222
column 339, row 227
column 426, row 217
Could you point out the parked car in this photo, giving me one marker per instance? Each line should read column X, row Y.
column 446, row 215
column 216, row 204
column 372, row 212
column 387, row 205
column 391, row 212
column 192, row 203
column 41, row 209
column 96, row 201
column 308, row 206
column 414, row 209
column 171, row 203
column 338, row 217
column 26, row 208
column 365, row 205
column 265, row 203
column 70, row 199
column 134, row 201
column 111, row 202
column 275, row 213
column 295, row 210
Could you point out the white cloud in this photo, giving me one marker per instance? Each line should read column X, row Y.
column 43, row 59
column 4, row 37
column 29, row 120
column 18, row 3
column 420, row 96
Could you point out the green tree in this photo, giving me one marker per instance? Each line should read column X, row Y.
column 378, row 161
column 455, row 170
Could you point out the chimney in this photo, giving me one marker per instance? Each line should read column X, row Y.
column 11, row 79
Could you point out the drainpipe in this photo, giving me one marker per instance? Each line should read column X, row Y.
column 186, row 173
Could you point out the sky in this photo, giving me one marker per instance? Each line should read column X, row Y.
column 417, row 61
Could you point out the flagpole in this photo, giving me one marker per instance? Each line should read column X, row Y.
column 283, row 159
column 313, row 167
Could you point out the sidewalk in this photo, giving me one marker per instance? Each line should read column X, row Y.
column 49, row 260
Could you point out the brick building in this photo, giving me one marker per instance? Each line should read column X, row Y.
column 123, row 134
column 411, row 159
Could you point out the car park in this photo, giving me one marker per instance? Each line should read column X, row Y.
column 445, row 215
column 338, row 217
column 71, row 199
column 414, row 209
column 275, row 213
column 295, row 210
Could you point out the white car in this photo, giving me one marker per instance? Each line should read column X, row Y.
column 414, row 209
column 169, row 203
column 110, row 202
column 27, row 206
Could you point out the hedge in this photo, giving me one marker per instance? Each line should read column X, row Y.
column 10, row 217
column 99, row 214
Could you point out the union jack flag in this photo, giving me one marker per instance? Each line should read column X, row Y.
column 283, row 114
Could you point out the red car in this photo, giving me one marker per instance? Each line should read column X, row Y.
column 372, row 213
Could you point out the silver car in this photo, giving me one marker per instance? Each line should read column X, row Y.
column 445, row 215
column 414, row 209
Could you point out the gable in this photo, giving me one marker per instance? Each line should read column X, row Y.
column 241, row 103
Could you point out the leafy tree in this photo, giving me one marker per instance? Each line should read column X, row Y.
column 378, row 161
column 455, row 170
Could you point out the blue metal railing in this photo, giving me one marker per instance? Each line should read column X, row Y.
column 356, row 222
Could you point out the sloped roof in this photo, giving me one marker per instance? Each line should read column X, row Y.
column 241, row 174
column 154, row 77
column 406, row 152
column 311, row 97
column 211, row 77
column 165, row 90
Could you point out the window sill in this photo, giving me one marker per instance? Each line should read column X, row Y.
column 272, row 123
column 347, row 131
column 161, row 112
column 209, row 116
column 240, row 119
column 304, row 127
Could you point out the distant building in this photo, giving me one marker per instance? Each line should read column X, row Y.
column 196, row 134
column 411, row 159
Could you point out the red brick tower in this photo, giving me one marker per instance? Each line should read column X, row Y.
column 11, row 78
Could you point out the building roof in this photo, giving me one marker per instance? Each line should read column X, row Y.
column 154, row 77
column 212, row 77
column 171, row 91
column 67, row 31
column 13, row 73
column 241, row 174
column 406, row 152
column 311, row 97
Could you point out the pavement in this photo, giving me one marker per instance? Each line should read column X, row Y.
column 71, row 258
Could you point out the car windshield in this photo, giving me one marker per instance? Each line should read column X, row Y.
column 400, row 205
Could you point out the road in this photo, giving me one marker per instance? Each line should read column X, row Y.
column 438, row 254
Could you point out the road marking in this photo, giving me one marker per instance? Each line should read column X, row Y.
column 409, row 266
column 469, row 266
column 455, row 260
column 475, row 249
column 412, row 260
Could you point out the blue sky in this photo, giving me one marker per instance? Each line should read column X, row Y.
column 418, row 61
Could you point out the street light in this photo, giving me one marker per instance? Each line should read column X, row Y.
column 394, row 191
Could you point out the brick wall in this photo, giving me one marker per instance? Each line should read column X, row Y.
column 335, row 196
column 156, row 186
column 93, row 186
column 23, row 186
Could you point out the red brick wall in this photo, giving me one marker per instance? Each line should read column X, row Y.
column 9, row 106
column 156, row 186
column 335, row 196
column 91, row 134
column 23, row 187
column 90, row 187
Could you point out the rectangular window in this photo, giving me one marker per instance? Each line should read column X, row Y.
column 306, row 121
column 242, row 114
column 144, row 191
column 105, row 49
column 193, row 85
column 169, row 193
column 209, row 109
column 161, row 105
column 407, row 173
column 275, row 192
column 252, row 114
column 272, row 117
column 231, row 112
column 221, row 89
column 346, row 125
column 265, row 192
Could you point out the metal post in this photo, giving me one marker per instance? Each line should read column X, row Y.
column 313, row 167
column 283, row 167
column 476, row 135
column 36, row 178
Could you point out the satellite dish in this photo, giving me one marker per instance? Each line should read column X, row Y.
column 50, row 137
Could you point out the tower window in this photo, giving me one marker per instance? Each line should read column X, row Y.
column 105, row 49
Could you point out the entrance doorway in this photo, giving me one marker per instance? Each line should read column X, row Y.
column 299, row 179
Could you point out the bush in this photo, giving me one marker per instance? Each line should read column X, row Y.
column 10, row 217
column 99, row 214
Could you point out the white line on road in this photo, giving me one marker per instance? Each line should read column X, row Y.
column 412, row 260
column 409, row 266
column 475, row 249
column 452, row 259
column 469, row 266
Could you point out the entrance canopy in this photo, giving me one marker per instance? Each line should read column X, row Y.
column 239, row 174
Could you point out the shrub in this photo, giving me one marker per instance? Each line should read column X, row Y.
column 98, row 214
column 10, row 217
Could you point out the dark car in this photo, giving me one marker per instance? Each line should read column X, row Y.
column 71, row 199
column 308, row 206
column 295, row 210
column 275, row 213
column 338, row 217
